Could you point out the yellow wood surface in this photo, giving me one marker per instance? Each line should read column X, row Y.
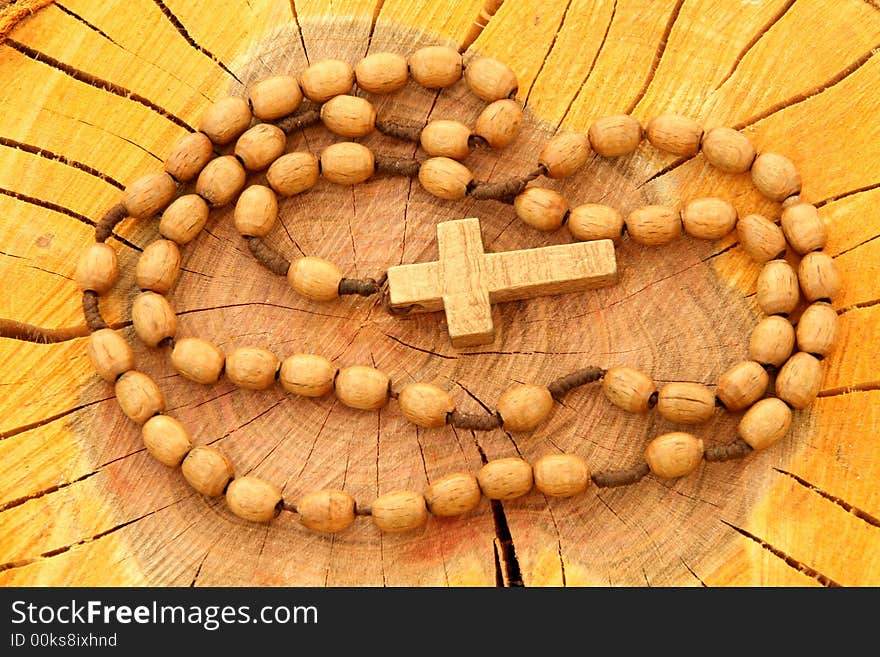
column 97, row 91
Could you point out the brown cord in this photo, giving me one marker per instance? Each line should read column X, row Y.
column 10, row 328
column 296, row 121
column 104, row 227
column 363, row 286
column 503, row 190
column 474, row 421
column 268, row 257
column 614, row 478
column 400, row 128
column 92, row 312
column 576, row 379
column 735, row 450
column 398, row 166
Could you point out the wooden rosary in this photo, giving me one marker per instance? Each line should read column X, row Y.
column 463, row 282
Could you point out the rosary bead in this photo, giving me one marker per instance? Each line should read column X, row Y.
column 362, row 387
column 382, row 72
column 275, row 97
column 541, row 208
column 612, row 136
column 772, row 341
column 293, row 173
column 226, row 119
column 765, row 423
column 728, row 150
column 166, row 439
column 255, row 211
column 138, row 396
column 153, row 318
column 561, row 475
column 184, row 219
column 349, row 116
column 523, row 407
column 799, row 380
column 251, row 367
column 490, row 79
column 149, row 194
column 708, row 218
column 819, row 277
column 308, row 375
column 777, row 288
column 197, row 360
column 189, row 156
column 442, row 138
column 97, row 268
column 208, row 470
column 221, row 180
column 158, row 266
column 675, row 134
column 261, row 145
column 761, row 239
column 453, row 495
column 653, row 225
column 674, row 454
column 595, row 222
column 742, row 385
column 314, row 278
column 435, row 67
column 629, row 389
column 686, row 403
column 817, row 329
column 445, row 178
column 110, row 354
column 253, row 499
column 325, row 79
column 505, row 479
column 775, row 176
column 804, row 228
column 499, row 123
column 564, row 154
column 327, row 510
column 347, row 163
column 399, row 511
column 425, row 405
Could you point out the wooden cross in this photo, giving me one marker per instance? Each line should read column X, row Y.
column 466, row 280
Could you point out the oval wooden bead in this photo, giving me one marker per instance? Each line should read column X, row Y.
column 221, row 180
column 742, row 385
column 761, row 239
column 208, row 470
column 362, row 387
column 523, row 406
column 226, row 119
column 399, row 511
column 166, row 439
column 653, row 225
column 592, row 221
column 153, row 318
column 799, row 380
column 255, row 211
column 149, row 194
column 158, row 267
column 804, row 228
column 197, row 360
column 499, row 123
column 772, row 341
column 314, row 278
column 425, row 405
column 308, row 375
column 261, row 145
column 629, row 389
column 819, row 277
column 293, row 173
column 253, row 368
column 382, row 72
column 275, row 97
column 349, row 116
column 138, row 396
column 612, row 136
column 184, row 219
column 777, row 288
column 686, row 403
column 541, row 208
column 325, row 79
column 708, row 218
column 817, row 329
column 765, row 423
column 253, row 499
column 674, row 454
column 97, row 268
column 435, row 67
column 561, row 475
column 189, row 156
column 453, row 495
column 490, row 79
column 775, row 176
column 327, row 510
column 442, row 138
column 505, row 479
column 564, row 154
column 347, row 163
column 110, row 354
column 445, row 178
column 728, row 150
column 675, row 134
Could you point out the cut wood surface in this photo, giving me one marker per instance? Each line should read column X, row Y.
column 96, row 92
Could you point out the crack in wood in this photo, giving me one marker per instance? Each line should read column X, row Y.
column 18, row 501
column 549, row 50
column 49, row 155
column 480, row 23
column 691, row 571
column 843, row 504
column 9, row 433
column 851, row 192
